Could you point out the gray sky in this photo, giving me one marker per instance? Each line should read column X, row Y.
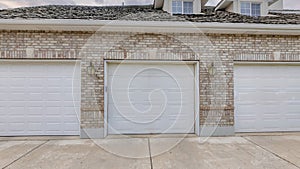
column 288, row 4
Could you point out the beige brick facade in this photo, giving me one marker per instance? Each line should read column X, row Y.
column 214, row 50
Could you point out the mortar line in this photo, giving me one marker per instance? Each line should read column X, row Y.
column 151, row 162
column 22, row 156
column 270, row 152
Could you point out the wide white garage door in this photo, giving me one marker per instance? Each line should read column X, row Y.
column 267, row 98
column 145, row 98
column 39, row 98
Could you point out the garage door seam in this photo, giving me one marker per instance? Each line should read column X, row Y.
column 150, row 156
column 35, row 148
column 249, row 140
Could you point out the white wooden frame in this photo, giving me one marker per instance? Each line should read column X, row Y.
column 251, row 2
column 196, row 84
column 182, row 4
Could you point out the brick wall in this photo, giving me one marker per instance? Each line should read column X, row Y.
column 212, row 51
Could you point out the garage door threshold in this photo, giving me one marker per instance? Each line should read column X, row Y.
column 152, row 136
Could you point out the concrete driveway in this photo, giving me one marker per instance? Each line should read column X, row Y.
column 263, row 151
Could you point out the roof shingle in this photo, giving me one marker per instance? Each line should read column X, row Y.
column 138, row 13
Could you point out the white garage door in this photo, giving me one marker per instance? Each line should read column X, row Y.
column 145, row 98
column 267, row 98
column 39, row 98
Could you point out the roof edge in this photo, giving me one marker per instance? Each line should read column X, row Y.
column 148, row 26
column 222, row 4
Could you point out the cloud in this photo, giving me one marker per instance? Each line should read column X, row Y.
column 291, row 4
column 18, row 3
column 22, row 3
column 11, row 4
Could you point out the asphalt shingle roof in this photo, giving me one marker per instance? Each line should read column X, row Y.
column 138, row 13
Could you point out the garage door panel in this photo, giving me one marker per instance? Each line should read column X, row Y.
column 53, row 127
column 56, row 89
column 16, row 126
column 292, row 95
column 148, row 103
column 148, row 95
column 271, row 115
column 54, row 82
column 5, row 103
column 70, row 126
column 293, row 116
column 68, row 111
column 37, row 93
column 292, row 81
column 67, row 91
column 172, row 101
column 71, row 103
column 2, row 128
column 132, row 108
column 16, row 111
column 273, row 125
column 2, row 110
column 140, row 117
column 118, row 85
column 35, row 96
column 37, row 82
column 17, row 81
column 71, row 121
column 268, row 107
column 17, row 97
column 29, row 103
column 143, row 90
column 170, row 94
column 50, row 104
column 35, row 126
column 143, row 80
column 268, row 83
column 263, row 96
column 4, row 69
column 152, row 69
column 48, row 110
column 246, row 95
column 34, row 119
column 165, row 127
column 146, row 99
column 130, row 113
column 247, row 110
column 246, row 125
column 294, row 109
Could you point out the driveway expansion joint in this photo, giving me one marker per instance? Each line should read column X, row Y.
column 150, row 155
column 249, row 140
column 30, row 151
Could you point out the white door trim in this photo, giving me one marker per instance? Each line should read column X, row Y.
column 105, row 99
column 41, row 60
column 196, row 94
column 267, row 63
column 197, row 99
